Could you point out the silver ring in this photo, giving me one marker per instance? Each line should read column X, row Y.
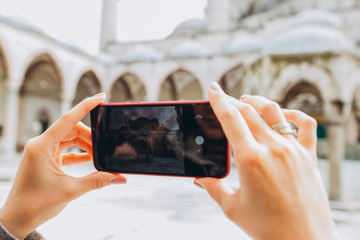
column 284, row 129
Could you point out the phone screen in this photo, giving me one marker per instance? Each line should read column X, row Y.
column 163, row 139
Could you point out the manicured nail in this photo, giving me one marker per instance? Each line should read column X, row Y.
column 198, row 184
column 99, row 95
column 118, row 181
column 215, row 86
column 243, row 97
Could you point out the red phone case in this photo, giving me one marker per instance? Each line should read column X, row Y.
column 164, row 103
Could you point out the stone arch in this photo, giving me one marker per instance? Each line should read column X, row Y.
column 3, row 78
column 180, row 85
column 307, row 98
column 40, row 98
column 88, row 85
column 232, row 82
column 128, row 87
column 315, row 75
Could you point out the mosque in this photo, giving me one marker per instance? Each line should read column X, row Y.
column 302, row 54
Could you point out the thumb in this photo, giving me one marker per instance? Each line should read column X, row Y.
column 216, row 190
column 97, row 180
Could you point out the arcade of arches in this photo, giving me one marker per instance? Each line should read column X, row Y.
column 40, row 100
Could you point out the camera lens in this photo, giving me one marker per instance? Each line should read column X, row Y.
column 199, row 140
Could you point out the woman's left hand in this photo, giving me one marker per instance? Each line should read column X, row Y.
column 41, row 190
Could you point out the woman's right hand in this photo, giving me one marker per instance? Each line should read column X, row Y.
column 281, row 194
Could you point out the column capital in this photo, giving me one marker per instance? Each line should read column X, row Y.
column 10, row 87
column 11, row 118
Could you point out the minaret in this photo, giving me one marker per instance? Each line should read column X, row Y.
column 108, row 29
column 218, row 15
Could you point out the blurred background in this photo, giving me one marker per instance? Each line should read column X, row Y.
column 303, row 54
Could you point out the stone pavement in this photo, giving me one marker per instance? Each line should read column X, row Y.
column 156, row 207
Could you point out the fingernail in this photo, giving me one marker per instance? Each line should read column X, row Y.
column 215, row 86
column 243, row 97
column 99, row 95
column 198, row 184
column 118, row 181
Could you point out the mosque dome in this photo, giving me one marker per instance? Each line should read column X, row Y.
column 191, row 25
column 316, row 16
column 244, row 42
column 309, row 39
column 190, row 48
column 140, row 53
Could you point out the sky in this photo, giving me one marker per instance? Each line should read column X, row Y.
column 78, row 21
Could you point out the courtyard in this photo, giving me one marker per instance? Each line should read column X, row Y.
column 149, row 207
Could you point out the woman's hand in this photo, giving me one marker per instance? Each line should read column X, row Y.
column 281, row 194
column 41, row 189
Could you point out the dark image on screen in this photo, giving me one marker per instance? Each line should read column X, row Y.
column 173, row 140
column 205, row 144
column 136, row 139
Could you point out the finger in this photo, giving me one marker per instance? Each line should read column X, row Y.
column 77, row 142
column 75, row 158
column 81, row 131
column 232, row 123
column 62, row 127
column 269, row 110
column 216, row 190
column 98, row 180
column 306, row 125
column 261, row 131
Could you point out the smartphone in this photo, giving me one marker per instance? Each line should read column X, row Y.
column 177, row 138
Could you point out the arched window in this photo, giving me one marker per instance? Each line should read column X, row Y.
column 128, row 87
column 180, row 85
column 40, row 92
column 232, row 82
column 306, row 98
column 353, row 123
column 88, row 86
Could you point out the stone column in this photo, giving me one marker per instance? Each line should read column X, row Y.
column 66, row 105
column 11, row 119
column 336, row 114
column 152, row 92
column 108, row 31
column 336, row 137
